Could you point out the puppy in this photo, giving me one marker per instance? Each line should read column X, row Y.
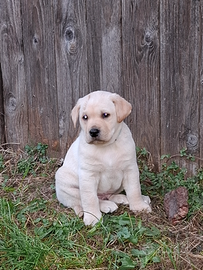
column 102, row 161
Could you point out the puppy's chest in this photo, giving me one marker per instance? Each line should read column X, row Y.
column 110, row 181
column 111, row 160
column 110, row 168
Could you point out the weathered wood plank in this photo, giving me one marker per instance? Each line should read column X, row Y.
column 13, row 75
column 2, row 124
column 200, row 79
column 140, row 36
column 54, row 51
column 71, row 63
column 40, row 66
column 104, row 45
column 180, row 60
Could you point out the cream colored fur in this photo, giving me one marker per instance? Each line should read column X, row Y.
column 102, row 161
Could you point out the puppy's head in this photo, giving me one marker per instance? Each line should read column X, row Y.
column 100, row 114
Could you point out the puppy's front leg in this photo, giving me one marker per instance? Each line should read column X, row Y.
column 88, row 192
column 137, row 201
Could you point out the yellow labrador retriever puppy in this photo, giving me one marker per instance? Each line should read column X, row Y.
column 102, row 161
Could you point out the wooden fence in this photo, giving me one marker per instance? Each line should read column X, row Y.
column 149, row 51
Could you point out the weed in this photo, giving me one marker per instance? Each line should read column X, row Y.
column 170, row 177
column 38, row 233
column 18, row 250
column 33, row 155
column 1, row 163
column 130, row 231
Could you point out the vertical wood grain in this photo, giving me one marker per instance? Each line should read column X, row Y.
column 140, row 36
column 54, row 51
column 71, row 63
column 104, row 45
column 13, row 74
column 200, row 80
column 180, row 33
column 2, row 124
column 39, row 48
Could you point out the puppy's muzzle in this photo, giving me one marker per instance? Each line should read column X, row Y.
column 94, row 132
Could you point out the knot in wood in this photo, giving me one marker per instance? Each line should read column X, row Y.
column 69, row 34
column 148, row 38
column 35, row 40
column 71, row 40
column 11, row 103
column 192, row 141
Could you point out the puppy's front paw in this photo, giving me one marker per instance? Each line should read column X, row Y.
column 107, row 206
column 91, row 219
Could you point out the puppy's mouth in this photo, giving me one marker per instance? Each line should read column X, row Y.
column 96, row 141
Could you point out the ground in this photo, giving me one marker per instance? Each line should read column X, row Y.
column 36, row 232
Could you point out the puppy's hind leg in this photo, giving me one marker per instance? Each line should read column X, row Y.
column 67, row 190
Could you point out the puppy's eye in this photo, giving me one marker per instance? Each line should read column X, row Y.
column 105, row 115
column 85, row 117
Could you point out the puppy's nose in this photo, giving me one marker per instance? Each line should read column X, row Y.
column 94, row 132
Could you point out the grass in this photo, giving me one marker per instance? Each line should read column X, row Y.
column 36, row 232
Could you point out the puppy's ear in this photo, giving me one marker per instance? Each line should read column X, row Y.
column 123, row 107
column 75, row 113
